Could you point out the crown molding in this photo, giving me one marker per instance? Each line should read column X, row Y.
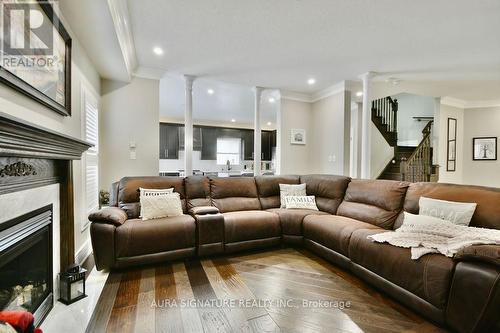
column 482, row 104
column 121, row 21
column 314, row 97
column 332, row 90
column 463, row 104
column 295, row 96
column 454, row 102
column 149, row 73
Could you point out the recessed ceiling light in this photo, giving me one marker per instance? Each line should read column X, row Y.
column 158, row 50
column 233, row 120
column 268, row 123
column 359, row 93
column 311, row 81
column 210, row 91
column 271, row 100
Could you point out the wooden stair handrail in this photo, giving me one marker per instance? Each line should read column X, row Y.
column 418, row 166
column 385, row 117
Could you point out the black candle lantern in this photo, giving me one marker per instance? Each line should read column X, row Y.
column 72, row 285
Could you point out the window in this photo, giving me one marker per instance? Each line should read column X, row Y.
column 228, row 149
column 91, row 157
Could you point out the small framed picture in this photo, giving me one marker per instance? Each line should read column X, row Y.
column 484, row 149
column 298, row 136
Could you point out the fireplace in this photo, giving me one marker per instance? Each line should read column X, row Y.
column 26, row 270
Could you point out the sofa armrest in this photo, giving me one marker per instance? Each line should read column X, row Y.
column 203, row 210
column 109, row 215
column 485, row 253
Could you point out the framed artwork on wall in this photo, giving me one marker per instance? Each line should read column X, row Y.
column 484, row 148
column 36, row 54
column 451, row 149
column 298, row 136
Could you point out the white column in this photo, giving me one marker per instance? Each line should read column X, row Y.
column 257, row 151
column 366, row 126
column 188, row 126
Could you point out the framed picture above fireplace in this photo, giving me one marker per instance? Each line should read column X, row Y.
column 36, row 60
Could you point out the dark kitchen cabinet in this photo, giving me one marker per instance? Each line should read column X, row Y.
column 169, row 141
column 247, row 138
column 265, row 146
column 196, row 138
column 209, row 143
column 273, row 139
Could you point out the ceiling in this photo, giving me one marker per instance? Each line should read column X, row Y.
column 283, row 43
column 226, row 103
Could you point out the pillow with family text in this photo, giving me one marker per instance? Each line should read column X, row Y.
column 455, row 212
column 289, row 189
column 153, row 192
column 158, row 206
column 301, row 202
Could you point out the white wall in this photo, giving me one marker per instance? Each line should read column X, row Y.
column 446, row 112
column 410, row 105
column 381, row 152
column 129, row 113
column 330, row 134
column 83, row 72
column 480, row 122
column 296, row 159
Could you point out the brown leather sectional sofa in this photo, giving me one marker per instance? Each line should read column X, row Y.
column 225, row 215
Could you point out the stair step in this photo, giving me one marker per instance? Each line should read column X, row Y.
column 390, row 176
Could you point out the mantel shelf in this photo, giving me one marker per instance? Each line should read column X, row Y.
column 19, row 138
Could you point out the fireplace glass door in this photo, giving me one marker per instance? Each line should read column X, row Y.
column 26, row 268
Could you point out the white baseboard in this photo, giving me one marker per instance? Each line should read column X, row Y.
column 83, row 252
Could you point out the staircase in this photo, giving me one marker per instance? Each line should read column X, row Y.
column 393, row 170
column 385, row 118
column 412, row 164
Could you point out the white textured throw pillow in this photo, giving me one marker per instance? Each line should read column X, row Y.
column 412, row 219
column 154, row 207
column 301, row 202
column 153, row 192
column 289, row 189
column 455, row 212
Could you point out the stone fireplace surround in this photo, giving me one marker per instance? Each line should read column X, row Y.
column 35, row 171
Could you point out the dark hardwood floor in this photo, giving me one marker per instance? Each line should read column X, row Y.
column 273, row 291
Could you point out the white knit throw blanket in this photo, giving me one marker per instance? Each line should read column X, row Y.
column 430, row 237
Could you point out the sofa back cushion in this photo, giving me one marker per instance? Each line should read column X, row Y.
column 486, row 215
column 197, row 191
column 329, row 190
column 269, row 189
column 231, row 194
column 128, row 193
column 374, row 201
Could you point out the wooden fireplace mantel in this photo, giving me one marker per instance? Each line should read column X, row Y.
column 33, row 156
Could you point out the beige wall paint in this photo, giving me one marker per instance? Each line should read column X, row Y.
column 295, row 159
column 130, row 113
column 480, row 122
column 330, row 134
column 381, row 152
column 446, row 112
column 83, row 72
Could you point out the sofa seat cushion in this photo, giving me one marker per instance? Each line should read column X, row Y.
column 291, row 219
column 333, row 231
column 250, row 225
column 137, row 237
column 428, row 277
